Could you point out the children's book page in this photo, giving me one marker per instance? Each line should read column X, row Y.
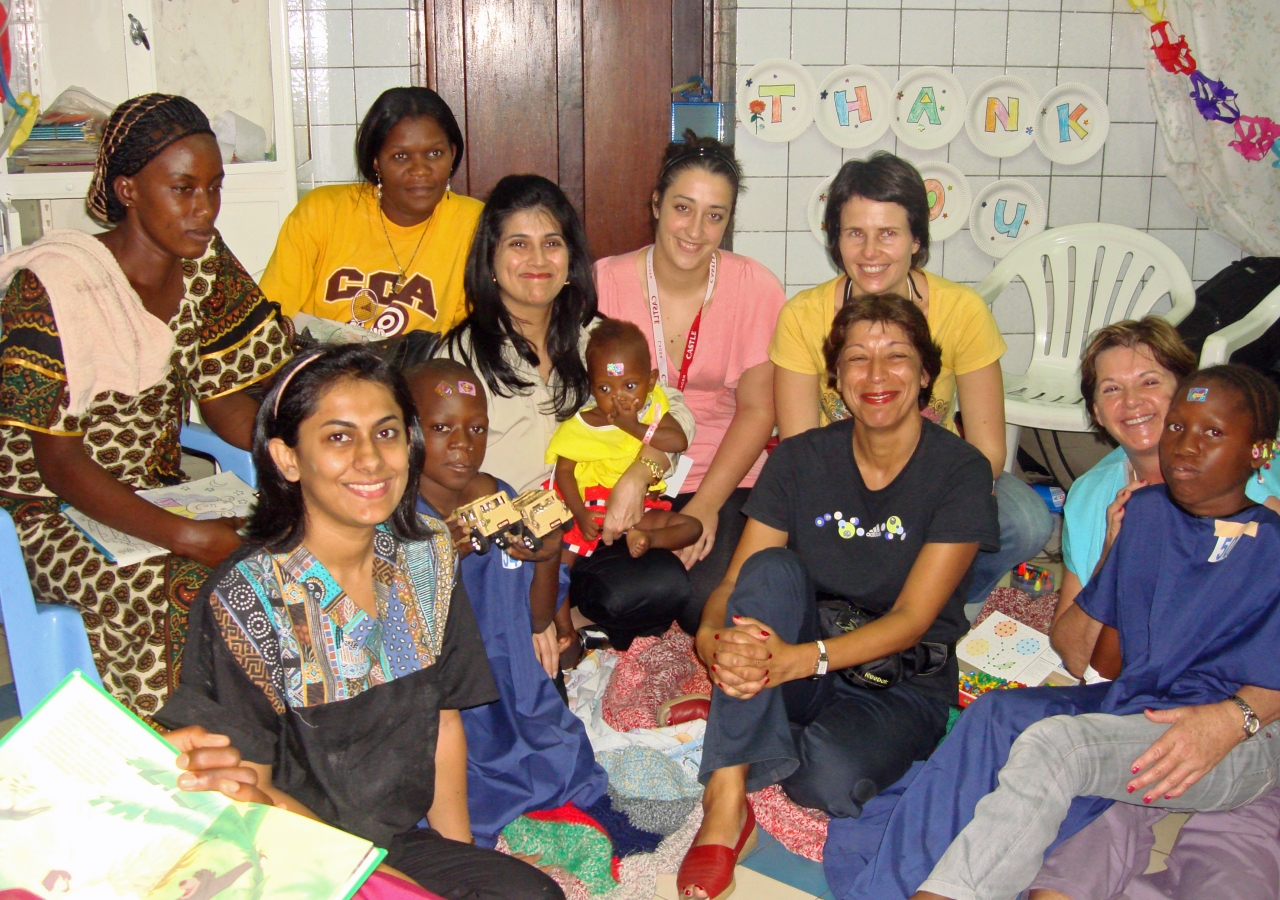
column 90, row 808
column 1006, row 648
column 218, row 496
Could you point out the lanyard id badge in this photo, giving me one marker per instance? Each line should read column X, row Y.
column 659, row 338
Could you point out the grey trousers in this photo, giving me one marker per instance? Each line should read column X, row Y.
column 1000, row 851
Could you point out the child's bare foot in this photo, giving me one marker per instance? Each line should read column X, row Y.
column 637, row 542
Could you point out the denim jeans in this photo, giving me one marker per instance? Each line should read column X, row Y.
column 1025, row 527
column 1063, row 757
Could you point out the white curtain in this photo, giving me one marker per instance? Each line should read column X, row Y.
column 1236, row 42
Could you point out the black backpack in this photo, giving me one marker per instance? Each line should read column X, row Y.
column 1227, row 298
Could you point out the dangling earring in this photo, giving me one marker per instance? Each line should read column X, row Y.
column 1266, row 453
column 377, row 188
column 448, row 187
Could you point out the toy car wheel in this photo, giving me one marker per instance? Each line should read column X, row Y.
column 531, row 541
column 502, row 540
column 479, row 542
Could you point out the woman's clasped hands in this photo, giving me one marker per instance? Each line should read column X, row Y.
column 748, row 657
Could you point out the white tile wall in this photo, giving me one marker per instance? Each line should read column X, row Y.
column 1098, row 42
column 343, row 54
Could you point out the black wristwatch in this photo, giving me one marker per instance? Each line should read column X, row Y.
column 1251, row 721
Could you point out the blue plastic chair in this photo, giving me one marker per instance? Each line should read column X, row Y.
column 201, row 439
column 47, row 641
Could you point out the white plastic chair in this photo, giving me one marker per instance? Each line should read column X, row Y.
column 1079, row 278
column 1219, row 346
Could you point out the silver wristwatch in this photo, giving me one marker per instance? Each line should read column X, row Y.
column 1251, row 721
column 820, row 667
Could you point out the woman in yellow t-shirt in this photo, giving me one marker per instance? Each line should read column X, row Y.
column 387, row 253
column 877, row 225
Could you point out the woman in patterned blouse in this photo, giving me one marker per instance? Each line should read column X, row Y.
column 336, row 649
column 106, row 342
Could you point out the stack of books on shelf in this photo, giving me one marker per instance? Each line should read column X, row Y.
column 58, row 143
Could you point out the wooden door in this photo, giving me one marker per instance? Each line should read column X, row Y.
column 576, row 90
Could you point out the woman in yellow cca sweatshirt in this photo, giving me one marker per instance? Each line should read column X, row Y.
column 388, row 252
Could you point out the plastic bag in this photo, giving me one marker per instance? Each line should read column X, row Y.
column 76, row 106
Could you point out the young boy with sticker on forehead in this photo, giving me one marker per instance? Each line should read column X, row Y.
column 527, row 751
column 592, row 449
column 1189, row 580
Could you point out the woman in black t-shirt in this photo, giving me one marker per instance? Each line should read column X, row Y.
column 336, row 649
column 878, row 517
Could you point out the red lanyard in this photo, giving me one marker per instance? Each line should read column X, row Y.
column 659, row 338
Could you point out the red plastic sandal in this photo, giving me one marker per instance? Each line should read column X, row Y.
column 685, row 708
column 710, row 866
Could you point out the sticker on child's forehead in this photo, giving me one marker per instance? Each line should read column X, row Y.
column 614, row 368
column 444, row 390
column 1198, row 395
column 466, row 387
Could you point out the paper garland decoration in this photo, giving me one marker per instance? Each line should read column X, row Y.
column 1001, row 116
column 1073, row 123
column 949, row 198
column 776, row 100
column 927, row 108
column 853, row 107
column 1005, row 213
column 1256, row 135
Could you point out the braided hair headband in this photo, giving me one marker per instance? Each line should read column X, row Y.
column 138, row 131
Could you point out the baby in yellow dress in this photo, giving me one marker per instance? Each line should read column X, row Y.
column 595, row 447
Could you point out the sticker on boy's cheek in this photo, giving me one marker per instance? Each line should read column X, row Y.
column 614, row 368
column 444, row 390
column 466, row 387
column 1198, row 395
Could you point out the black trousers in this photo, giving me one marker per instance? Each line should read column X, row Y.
column 631, row 598
column 460, row 871
column 707, row 573
column 831, row 745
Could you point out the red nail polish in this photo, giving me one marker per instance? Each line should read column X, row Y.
column 1168, row 796
column 766, row 681
column 1131, row 789
column 1146, row 799
column 770, row 656
column 717, row 637
column 765, row 634
column 714, row 669
column 1134, row 770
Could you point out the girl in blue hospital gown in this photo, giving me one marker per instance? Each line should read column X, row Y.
column 1194, row 599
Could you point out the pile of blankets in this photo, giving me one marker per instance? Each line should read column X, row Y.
column 646, row 822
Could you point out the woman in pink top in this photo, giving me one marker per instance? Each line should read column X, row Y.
column 713, row 313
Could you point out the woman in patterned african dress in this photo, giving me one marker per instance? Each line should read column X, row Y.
column 106, row 340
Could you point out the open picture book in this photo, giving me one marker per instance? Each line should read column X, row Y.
column 218, row 496
column 90, row 808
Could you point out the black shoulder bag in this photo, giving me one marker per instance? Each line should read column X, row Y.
column 838, row 615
